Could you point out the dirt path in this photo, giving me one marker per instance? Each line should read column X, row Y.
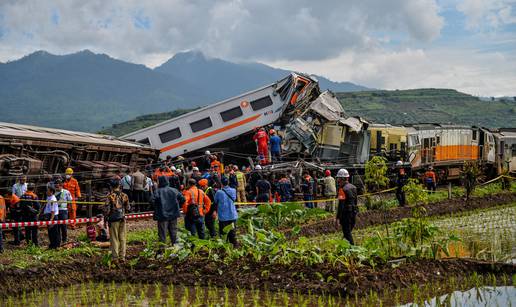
column 377, row 217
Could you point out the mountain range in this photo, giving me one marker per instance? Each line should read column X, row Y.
column 86, row 91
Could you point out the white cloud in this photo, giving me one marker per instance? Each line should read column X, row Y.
column 488, row 14
column 260, row 29
column 483, row 74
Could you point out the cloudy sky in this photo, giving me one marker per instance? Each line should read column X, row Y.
column 394, row 44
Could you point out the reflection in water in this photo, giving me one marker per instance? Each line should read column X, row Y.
column 484, row 296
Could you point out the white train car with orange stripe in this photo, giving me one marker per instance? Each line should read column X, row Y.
column 229, row 118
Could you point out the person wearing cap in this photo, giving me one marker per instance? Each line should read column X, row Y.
column 16, row 216
column 64, row 197
column 195, row 207
column 166, row 201
column 115, row 208
column 210, row 216
column 307, row 187
column 224, row 202
column 216, row 165
column 275, row 144
column 29, row 209
column 261, row 139
column 196, row 174
column 330, row 191
column 430, row 179
column 401, row 181
column 20, row 187
column 72, row 185
column 347, row 204
column 241, row 184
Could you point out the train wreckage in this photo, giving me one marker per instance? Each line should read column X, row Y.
column 313, row 125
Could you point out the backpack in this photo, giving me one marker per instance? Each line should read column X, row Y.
column 117, row 209
column 194, row 209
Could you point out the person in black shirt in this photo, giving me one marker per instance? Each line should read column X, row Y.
column 263, row 191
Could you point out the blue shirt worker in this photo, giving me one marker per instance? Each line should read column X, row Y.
column 275, row 145
column 226, row 210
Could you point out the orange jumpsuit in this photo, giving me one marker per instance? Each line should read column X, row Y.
column 262, row 140
column 72, row 185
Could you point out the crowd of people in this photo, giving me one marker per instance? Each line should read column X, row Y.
column 204, row 190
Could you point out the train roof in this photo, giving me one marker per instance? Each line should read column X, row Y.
column 213, row 105
column 17, row 131
column 430, row 126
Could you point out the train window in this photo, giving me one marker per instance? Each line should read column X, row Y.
column 202, row 124
column 231, row 114
column 438, row 139
column 403, row 146
column 170, row 135
column 145, row 141
column 513, row 147
column 474, row 135
column 261, row 103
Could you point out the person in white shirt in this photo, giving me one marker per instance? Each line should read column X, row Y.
column 63, row 196
column 148, row 188
column 20, row 187
column 127, row 185
column 51, row 213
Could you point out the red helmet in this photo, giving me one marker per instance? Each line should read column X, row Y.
column 327, row 172
column 272, row 131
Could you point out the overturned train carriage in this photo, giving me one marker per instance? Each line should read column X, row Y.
column 38, row 151
column 313, row 125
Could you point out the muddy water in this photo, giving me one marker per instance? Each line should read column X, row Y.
column 484, row 296
column 104, row 294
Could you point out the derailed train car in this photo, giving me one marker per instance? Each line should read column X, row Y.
column 38, row 152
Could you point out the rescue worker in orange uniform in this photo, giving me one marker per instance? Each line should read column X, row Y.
column 72, row 185
column 216, row 165
column 262, row 144
column 430, row 179
column 196, row 205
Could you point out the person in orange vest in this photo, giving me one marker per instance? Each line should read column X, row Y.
column 72, row 185
column 430, row 179
column 216, row 165
column 2, row 219
column 196, row 205
column 15, row 211
column 262, row 144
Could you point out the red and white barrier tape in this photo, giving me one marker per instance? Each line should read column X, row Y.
column 74, row 221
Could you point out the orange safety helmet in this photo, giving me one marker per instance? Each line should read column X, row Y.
column 203, row 182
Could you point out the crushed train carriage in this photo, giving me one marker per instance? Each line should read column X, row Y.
column 312, row 124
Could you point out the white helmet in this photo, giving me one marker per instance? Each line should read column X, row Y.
column 173, row 168
column 258, row 167
column 195, row 168
column 207, row 152
column 399, row 163
column 343, row 173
